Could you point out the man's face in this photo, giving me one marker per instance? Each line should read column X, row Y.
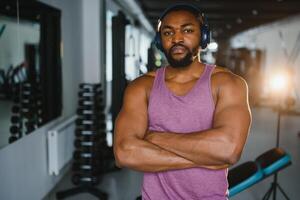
column 180, row 36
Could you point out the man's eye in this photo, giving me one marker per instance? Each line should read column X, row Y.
column 167, row 33
column 188, row 30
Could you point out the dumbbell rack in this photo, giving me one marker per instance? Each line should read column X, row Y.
column 90, row 143
column 26, row 110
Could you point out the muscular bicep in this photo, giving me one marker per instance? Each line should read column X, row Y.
column 132, row 119
column 232, row 113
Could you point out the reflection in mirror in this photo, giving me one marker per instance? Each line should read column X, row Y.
column 19, row 73
column 30, row 67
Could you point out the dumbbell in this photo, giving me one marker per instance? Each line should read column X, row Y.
column 91, row 98
column 88, row 130
column 91, row 90
column 30, row 126
column 87, row 122
column 89, row 85
column 29, row 114
column 91, row 137
column 92, row 144
column 86, row 169
column 90, row 103
column 89, row 109
column 96, row 148
column 20, row 100
column 15, row 119
column 26, row 84
column 85, row 93
column 78, row 179
column 28, row 131
column 94, row 163
column 91, row 119
column 77, row 154
column 26, row 94
column 88, row 160
column 89, row 127
column 89, row 172
column 17, row 109
column 14, row 129
column 91, row 149
column 97, row 139
column 81, row 132
column 87, row 117
column 11, row 139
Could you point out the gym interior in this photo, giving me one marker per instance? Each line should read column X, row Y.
column 64, row 65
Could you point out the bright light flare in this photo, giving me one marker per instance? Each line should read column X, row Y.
column 279, row 82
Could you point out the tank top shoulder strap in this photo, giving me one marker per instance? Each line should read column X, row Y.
column 208, row 71
column 159, row 77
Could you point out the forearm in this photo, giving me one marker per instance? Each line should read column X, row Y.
column 142, row 155
column 207, row 148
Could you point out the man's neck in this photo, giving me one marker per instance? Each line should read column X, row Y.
column 194, row 70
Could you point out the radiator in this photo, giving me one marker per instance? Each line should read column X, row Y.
column 60, row 145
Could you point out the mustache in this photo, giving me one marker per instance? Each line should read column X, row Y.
column 177, row 45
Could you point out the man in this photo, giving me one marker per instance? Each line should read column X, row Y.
column 186, row 123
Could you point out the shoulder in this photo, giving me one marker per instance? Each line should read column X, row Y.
column 141, row 85
column 223, row 78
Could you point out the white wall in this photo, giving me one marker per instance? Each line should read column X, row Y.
column 262, row 136
column 91, row 40
column 23, row 168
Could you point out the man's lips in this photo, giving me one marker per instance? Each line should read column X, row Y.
column 178, row 49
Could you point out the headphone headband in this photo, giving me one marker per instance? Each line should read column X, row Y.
column 179, row 6
column 205, row 32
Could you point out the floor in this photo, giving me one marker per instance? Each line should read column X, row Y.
column 125, row 184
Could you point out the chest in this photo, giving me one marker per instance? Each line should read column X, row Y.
column 184, row 88
column 181, row 107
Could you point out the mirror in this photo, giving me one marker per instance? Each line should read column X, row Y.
column 30, row 68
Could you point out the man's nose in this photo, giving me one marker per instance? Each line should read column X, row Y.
column 177, row 38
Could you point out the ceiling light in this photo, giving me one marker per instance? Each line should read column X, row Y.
column 239, row 20
column 254, row 12
column 228, row 26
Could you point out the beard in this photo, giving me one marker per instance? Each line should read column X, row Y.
column 182, row 62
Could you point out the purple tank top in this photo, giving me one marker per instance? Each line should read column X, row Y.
column 183, row 114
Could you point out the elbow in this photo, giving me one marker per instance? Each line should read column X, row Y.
column 118, row 162
column 122, row 155
column 120, row 158
column 233, row 157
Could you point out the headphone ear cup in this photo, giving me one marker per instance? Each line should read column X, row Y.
column 205, row 36
column 157, row 42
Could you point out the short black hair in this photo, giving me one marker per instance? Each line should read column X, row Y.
column 179, row 7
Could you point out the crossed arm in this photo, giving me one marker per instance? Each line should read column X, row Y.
column 216, row 148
